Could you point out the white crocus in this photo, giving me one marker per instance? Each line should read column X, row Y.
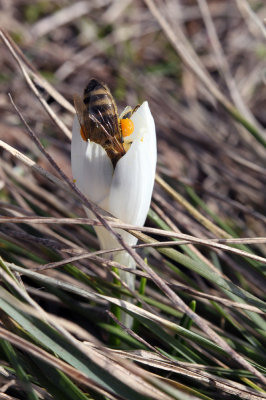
column 125, row 191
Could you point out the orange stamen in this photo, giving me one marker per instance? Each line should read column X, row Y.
column 127, row 127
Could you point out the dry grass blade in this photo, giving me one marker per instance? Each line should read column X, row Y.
column 192, row 61
column 51, row 360
column 25, row 66
column 116, row 367
column 190, row 371
column 248, row 13
column 111, row 264
column 184, row 239
column 235, row 94
column 27, row 161
column 62, row 17
column 8, row 42
column 195, row 213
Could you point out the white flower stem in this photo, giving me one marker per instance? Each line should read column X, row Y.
column 108, row 242
column 128, row 278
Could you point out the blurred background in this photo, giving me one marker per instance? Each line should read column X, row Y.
column 122, row 44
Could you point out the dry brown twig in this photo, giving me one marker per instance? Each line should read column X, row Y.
column 224, row 66
column 185, row 239
column 63, row 16
column 29, row 71
column 255, row 24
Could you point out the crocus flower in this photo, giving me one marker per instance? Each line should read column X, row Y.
column 124, row 190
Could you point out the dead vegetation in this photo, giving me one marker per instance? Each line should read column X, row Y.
column 199, row 331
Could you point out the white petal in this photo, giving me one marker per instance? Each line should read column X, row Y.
column 143, row 122
column 91, row 167
column 134, row 174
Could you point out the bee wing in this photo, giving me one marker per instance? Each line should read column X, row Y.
column 109, row 126
column 104, row 118
column 105, row 111
column 107, row 121
column 94, row 125
column 91, row 124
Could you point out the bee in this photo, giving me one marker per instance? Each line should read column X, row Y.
column 99, row 122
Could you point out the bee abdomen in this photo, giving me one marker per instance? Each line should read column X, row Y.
column 95, row 97
column 92, row 85
column 98, row 99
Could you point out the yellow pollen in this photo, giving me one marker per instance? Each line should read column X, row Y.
column 127, row 127
column 82, row 134
column 74, row 180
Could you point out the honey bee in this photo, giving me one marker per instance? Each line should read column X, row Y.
column 99, row 122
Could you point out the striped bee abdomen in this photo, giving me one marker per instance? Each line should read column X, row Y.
column 99, row 100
